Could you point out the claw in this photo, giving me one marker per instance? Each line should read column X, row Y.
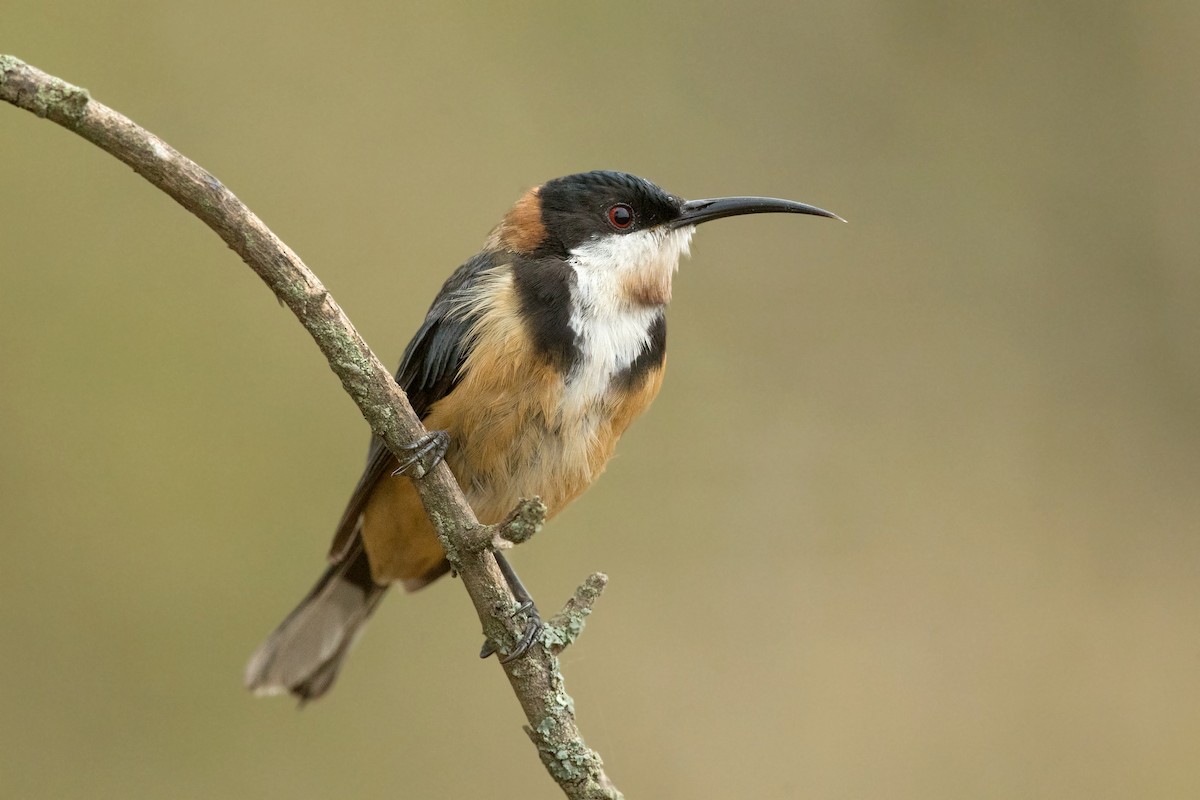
column 525, row 607
column 426, row 453
column 528, row 636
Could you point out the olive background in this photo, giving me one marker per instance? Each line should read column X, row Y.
column 915, row 516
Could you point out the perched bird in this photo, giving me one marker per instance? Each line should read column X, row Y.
column 534, row 358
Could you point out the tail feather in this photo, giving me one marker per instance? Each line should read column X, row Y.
column 303, row 655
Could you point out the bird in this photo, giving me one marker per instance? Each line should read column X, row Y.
column 532, row 361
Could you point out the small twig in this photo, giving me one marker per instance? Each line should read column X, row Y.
column 536, row 679
column 524, row 521
column 564, row 627
column 517, row 528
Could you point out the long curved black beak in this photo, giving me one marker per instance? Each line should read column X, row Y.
column 693, row 212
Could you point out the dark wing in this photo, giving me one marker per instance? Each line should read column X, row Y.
column 428, row 372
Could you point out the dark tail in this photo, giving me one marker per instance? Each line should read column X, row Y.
column 305, row 652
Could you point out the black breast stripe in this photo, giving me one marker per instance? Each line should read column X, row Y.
column 544, row 289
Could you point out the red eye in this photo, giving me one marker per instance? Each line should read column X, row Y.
column 620, row 216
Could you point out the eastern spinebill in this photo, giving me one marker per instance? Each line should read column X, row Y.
column 534, row 358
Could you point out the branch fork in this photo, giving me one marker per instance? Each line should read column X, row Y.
column 519, row 527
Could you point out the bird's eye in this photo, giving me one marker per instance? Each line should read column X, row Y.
column 620, row 216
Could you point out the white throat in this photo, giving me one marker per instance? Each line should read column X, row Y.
column 622, row 283
column 618, row 262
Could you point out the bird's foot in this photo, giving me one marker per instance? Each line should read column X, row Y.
column 533, row 629
column 525, row 608
column 424, row 454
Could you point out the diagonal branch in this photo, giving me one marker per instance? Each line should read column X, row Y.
column 536, row 679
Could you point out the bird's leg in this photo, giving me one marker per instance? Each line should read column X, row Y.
column 424, row 454
column 525, row 607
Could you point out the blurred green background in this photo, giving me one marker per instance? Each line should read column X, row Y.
column 917, row 514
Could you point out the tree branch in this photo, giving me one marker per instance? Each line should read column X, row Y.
column 536, row 679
